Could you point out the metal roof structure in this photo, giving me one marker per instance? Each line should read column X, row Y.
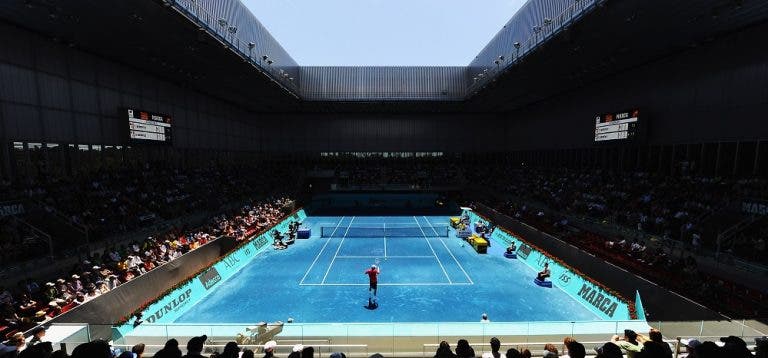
column 220, row 47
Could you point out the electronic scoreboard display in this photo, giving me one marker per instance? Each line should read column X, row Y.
column 618, row 127
column 148, row 127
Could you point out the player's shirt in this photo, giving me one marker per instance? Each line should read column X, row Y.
column 372, row 273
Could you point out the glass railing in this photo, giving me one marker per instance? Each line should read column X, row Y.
column 406, row 339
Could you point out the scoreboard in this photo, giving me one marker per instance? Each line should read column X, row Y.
column 148, row 127
column 619, row 126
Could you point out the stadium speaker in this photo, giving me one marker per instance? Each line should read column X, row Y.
column 761, row 347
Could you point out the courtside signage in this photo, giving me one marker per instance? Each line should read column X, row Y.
column 176, row 303
column 601, row 303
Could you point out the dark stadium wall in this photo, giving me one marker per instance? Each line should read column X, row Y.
column 56, row 94
column 382, row 132
column 714, row 92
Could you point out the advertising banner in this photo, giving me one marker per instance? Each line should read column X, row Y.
column 174, row 304
column 603, row 304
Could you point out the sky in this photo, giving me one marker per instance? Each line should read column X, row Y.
column 383, row 32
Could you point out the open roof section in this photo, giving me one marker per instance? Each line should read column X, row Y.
column 232, row 23
column 388, row 33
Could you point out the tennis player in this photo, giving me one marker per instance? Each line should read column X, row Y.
column 373, row 274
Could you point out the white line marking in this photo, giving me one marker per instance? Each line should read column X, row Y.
column 451, row 253
column 390, row 284
column 433, row 250
column 319, row 253
column 337, row 250
column 385, row 241
column 389, row 257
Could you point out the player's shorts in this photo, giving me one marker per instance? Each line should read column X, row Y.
column 373, row 285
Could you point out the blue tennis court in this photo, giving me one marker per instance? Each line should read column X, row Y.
column 426, row 276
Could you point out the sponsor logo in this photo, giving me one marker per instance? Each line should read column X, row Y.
column 11, row 209
column 597, row 300
column 754, row 208
column 523, row 251
column 261, row 241
column 542, row 260
column 174, row 306
column 565, row 279
column 210, row 278
column 230, row 261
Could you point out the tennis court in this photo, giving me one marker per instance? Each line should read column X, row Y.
column 427, row 275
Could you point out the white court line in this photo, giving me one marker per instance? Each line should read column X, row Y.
column 433, row 250
column 321, row 251
column 451, row 253
column 390, row 284
column 337, row 249
column 385, row 240
column 389, row 257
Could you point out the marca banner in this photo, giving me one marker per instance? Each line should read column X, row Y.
column 11, row 208
column 173, row 305
column 754, row 206
column 603, row 304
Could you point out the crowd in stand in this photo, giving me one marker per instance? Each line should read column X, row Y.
column 33, row 302
column 660, row 209
column 670, row 207
column 423, row 173
column 106, row 203
column 631, row 345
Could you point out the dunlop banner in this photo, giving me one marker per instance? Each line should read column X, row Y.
column 173, row 305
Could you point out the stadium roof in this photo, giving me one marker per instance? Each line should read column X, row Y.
column 219, row 47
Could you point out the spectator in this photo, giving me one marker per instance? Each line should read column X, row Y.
column 609, row 350
column 655, row 336
column 464, row 350
column 550, row 351
column 170, row 350
column 513, row 353
column 231, row 350
column 296, row 351
column 11, row 348
column 495, row 347
column 94, row 349
column 195, row 346
column 37, row 335
column 138, row 350
column 735, row 347
column 40, row 350
column 247, row 353
column 269, row 349
column 308, row 352
column 629, row 342
column 709, row 350
column 575, row 349
column 444, row 351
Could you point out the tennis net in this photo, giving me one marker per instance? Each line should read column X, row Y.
column 384, row 231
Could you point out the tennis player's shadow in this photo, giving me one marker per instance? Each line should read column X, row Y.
column 372, row 305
